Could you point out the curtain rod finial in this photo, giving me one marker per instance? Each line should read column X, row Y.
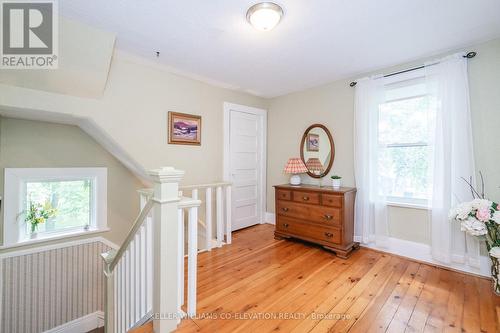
column 352, row 84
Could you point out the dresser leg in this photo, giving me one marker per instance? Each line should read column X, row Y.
column 280, row 237
column 343, row 254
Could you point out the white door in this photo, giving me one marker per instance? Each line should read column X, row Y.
column 246, row 164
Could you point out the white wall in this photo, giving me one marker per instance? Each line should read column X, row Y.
column 36, row 144
column 333, row 106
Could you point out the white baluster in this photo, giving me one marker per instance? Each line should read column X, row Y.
column 220, row 227
column 131, row 290
column 123, row 300
column 137, row 278
column 116, row 291
column 194, row 193
column 208, row 218
column 192, row 259
column 181, row 255
column 149, row 263
column 144, row 308
column 127, row 290
column 228, row 214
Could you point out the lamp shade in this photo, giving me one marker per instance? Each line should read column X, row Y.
column 314, row 165
column 295, row 165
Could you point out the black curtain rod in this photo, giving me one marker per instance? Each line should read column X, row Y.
column 469, row 55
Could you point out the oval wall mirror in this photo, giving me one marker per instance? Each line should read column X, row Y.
column 317, row 150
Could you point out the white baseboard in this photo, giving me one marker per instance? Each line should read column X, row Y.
column 81, row 325
column 422, row 252
column 270, row 218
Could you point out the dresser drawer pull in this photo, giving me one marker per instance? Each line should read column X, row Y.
column 305, row 198
column 328, row 234
column 285, row 209
column 328, row 217
column 285, row 225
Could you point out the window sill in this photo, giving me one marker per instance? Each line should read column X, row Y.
column 407, row 205
column 53, row 237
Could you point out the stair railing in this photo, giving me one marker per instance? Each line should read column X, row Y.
column 144, row 273
column 223, row 212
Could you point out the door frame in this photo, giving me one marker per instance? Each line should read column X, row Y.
column 262, row 114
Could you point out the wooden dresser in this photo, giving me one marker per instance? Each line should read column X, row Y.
column 321, row 215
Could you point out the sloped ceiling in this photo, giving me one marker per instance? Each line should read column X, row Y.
column 84, row 60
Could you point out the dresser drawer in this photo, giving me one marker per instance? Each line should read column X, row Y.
column 318, row 214
column 309, row 231
column 331, row 200
column 306, row 197
column 292, row 209
column 326, row 215
column 284, row 194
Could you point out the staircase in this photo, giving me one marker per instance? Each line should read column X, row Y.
column 148, row 268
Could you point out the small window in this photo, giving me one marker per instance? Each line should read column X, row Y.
column 43, row 203
column 404, row 140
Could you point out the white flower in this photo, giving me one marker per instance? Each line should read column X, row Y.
column 473, row 227
column 495, row 252
column 496, row 216
column 480, row 203
column 463, row 210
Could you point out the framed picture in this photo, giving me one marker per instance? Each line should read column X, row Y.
column 184, row 129
column 312, row 142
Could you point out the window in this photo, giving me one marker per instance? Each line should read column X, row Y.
column 71, row 201
column 404, row 128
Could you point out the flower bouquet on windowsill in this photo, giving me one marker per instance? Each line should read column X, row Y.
column 481, row 218
column 37, row 214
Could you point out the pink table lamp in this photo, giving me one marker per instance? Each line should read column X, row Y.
column 295, row 166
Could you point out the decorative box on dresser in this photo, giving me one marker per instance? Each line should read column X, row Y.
column 322, row 215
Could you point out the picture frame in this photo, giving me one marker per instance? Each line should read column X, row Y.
column 312, row 142
column 184, row 129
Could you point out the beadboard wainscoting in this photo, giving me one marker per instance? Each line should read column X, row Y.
column 46, row 287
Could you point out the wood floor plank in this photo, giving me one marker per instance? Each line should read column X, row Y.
column 296, row 301
column 424, row 303
column 354, row 304
column 379, row 314
column 264, row 285
column 335, row 289
column 486, row 307
column 437, row 316
column 471, row 315
column 455, row 304
column 338, row 304
column 276, row 285
column 402, row 316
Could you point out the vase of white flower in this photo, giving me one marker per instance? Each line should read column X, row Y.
column 495, row 268
column 481, row 218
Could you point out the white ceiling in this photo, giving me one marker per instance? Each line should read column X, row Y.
column 318, row 41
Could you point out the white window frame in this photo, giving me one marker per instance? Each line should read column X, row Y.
column 396, row 200
column 14, row 228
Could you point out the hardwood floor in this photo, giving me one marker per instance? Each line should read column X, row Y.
column 259, row 284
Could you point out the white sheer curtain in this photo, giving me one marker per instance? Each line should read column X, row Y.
column 371, row 208
column 448, row 88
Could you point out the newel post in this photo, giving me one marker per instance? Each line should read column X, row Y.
column 166, row 256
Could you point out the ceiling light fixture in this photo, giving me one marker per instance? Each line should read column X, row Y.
column 264, row 16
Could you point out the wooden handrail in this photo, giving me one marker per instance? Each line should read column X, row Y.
column 131, row 234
